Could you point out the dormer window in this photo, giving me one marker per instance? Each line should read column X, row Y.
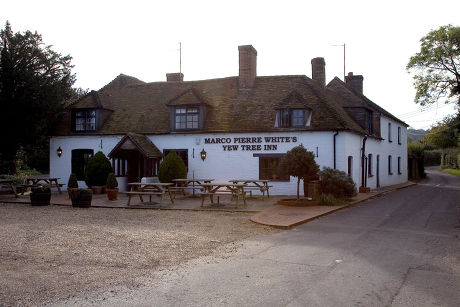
column 84, row 120
column 187, row 118
column 286, row 118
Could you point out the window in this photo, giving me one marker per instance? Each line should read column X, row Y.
column 187, row 118
column 80, row 158
column 399, row 166
column 350, row 166
column 183, row 153
column 399, row 135
column 369, row 167
column 389, row 132
column 85, row 120
column 390, row 172
column 292, row 118
column 268, row 169
column 370, row 122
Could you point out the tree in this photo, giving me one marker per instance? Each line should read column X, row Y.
column 172, row 167
column 97, row 170
column 300, row 163
column 444, row 134
column 35, row 83
column 437, row 66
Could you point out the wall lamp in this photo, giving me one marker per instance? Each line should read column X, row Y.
column 203, row 154
column 59, row 152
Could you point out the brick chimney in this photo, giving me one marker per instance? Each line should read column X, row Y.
column 248, row 65
column 175, row 77
column 318, row 71
column 354, row 82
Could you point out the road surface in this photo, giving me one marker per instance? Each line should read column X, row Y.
column 401, row 249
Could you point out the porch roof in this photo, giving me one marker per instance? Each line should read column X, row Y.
column 135, row 141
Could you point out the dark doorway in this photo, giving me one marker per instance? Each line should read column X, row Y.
column 377, row 171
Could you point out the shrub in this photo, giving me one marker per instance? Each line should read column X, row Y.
column 450, row 158
column 330, row 200
column 97, row 170
column 337, row 183
column 432, row 157
column 72, row 183
column 172, row 167
column 112, row 182
column 300, row 163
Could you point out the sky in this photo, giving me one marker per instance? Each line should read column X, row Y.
column 141, row 39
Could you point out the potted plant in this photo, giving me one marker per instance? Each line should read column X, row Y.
column 40, row 196
column 112, row 187
column 81, row 197
column 96, row 172
column 72, row 184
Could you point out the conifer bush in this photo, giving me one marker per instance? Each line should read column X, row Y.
column 337, row 183
column 172, row 167
column 97, row 170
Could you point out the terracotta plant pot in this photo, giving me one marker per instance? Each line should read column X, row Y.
column 97, row 189
column 112, row 194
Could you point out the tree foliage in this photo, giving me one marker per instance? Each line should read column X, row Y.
column 172, row 167
column 300, row 163
column 445, row 134
column 437, row 66
column 35, row 83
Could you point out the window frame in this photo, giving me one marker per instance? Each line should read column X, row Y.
column 390, row 166
column 399, row 166
column 399, row 135
column 191, row 118
column 369, row 165
column 86, row 119
column 389, row 133
column 350, row 166
column 263, row 170
column 285, row 118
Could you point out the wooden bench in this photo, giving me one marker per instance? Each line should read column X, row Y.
column 222, row 193
column 149, row 193
column 262, row 189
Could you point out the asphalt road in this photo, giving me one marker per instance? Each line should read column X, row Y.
column 401, row 249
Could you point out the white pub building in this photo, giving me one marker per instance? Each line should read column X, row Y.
column 235, row 127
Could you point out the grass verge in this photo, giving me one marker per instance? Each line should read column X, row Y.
column 455, row 172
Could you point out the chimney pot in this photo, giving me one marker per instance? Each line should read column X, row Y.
column 354, row 82
column 175, row 77
column 247, row 66
column 318, row 71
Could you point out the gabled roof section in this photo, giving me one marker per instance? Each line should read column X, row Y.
column 93, row 99
column 190, row 96
column 355, row 99
column 122, row 81
column 293, row 100
column 134, row 141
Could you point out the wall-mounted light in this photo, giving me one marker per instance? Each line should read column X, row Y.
column 59, row 152
column 203, row 154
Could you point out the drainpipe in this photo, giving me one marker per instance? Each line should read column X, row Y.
column 335, row 164
column 363, row 166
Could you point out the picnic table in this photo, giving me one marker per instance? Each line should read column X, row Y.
column 255, row 184
column 182, row 184
column 149, row 189
column 235, row 190
column 44, row 181
column 9, row 183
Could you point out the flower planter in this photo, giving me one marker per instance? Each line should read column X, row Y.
column 112, row 194
column 97, row 189
column 81, row 198
column 40, row 198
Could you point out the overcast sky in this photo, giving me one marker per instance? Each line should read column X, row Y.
column 141, row 39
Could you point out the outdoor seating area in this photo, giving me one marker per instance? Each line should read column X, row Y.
column 11, row 185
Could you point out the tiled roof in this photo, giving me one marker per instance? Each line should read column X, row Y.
column 140, row 142
column 143, row 108
column 354, row 99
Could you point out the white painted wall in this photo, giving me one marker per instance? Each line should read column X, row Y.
column 223, row 165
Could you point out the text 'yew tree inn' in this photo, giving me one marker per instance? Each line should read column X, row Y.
column 234, row 127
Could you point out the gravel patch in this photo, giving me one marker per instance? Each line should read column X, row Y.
column 54, row 252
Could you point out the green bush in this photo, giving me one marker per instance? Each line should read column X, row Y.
column 72, row 183
column 330, row 200
column 97, row 170
column 432, row 157
column 336, row 183
column 450, row 158
column 172, row 167
column 112, row 182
